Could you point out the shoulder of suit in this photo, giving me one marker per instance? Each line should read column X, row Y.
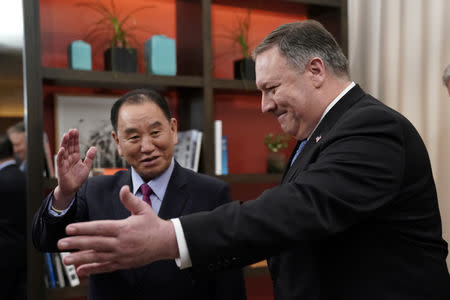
column 205, row 180
column 370, row 108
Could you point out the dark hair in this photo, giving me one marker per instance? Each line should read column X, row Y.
column 139, row 96
column 6, row 147
column 299, row 42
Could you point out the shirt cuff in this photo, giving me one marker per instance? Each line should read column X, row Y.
column 54, row 213
column 184, row 261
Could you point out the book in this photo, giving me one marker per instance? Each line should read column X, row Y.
column 218, row 146
column 48, row 158
column 57, row 263
column 224, row 155
column 70, row 271
column 187, row 150
column 197, row 149
column 50, row 270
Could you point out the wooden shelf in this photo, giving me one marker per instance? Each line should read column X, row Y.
column 115, row 80
column 68, row 292
column 50, row 183
column 257, row 269
column 251, row 178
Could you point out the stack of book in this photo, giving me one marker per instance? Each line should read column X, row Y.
column 57, row 274
column 187, row 150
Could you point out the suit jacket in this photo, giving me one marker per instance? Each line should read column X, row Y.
column 355, row 217
column 98, row 199
column 13, row 232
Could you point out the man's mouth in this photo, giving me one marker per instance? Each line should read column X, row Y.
column 149, row 160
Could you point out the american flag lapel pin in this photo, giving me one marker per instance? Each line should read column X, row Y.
column 318, row 138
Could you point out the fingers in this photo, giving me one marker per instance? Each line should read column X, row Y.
column 96, row 268
column 131, row 202
column 60, row 157
column 87, row 256
column 90, row 155
column 86, row 242
column 103, row 228
column 74, row 146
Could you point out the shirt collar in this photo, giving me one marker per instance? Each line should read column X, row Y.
column 333, row 103
column 158, row 184
column 7, row 163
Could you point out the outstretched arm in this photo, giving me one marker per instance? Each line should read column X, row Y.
column 72, row 171
column 106, row 246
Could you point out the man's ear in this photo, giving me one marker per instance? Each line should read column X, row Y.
column 316, row 68
column 174, row 130
column 116, row 140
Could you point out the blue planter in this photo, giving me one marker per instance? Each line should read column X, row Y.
column 79, row 55
column 160, row 55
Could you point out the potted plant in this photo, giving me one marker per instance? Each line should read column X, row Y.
column 276, row 160
column 114, row 31
column 244, row 68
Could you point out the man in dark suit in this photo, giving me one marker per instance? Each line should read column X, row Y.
column 13, row 258
column 145, row 135
column 355, row 217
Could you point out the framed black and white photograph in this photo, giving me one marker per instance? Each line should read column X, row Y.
column 91, row 116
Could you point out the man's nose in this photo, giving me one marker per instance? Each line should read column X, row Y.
column 267, row 104
column 147, row 144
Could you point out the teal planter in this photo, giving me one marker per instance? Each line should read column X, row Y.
column 79, row 55
column 160, row 55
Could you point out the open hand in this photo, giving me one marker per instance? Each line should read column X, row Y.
column 109, row 245
column 72, row 171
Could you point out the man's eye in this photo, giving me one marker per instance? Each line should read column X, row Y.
column 134, row 137
column 156, row 132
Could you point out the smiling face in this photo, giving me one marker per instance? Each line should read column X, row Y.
column 145, row 138
column 287, row 93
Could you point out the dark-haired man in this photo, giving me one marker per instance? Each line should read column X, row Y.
column 145, row 135
column 13, row 256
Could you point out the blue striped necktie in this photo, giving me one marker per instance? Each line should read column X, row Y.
column 299, row 149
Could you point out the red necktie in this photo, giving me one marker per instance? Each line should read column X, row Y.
column 146, row 191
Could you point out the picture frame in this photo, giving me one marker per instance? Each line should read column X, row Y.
column 90, row 114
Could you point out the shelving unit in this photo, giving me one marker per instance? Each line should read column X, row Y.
column 195, row 85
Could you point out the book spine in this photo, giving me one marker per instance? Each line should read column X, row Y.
column 48, row 158
column 71, row 273
column 59, row 269
column 51, row 272
column 198, row 148
column 224, row 155
column 218, row 146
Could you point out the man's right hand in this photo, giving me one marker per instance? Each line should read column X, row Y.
column 72, row 171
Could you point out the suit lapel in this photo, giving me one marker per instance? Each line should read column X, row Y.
column 175, row 197
column 120, row 212
column 319, row 135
